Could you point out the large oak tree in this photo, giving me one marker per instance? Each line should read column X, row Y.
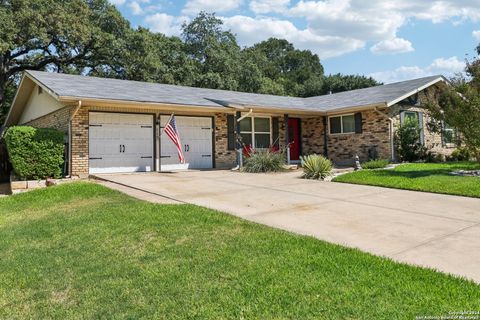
column 75, row 36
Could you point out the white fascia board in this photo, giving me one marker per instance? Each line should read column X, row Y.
column 431, row 83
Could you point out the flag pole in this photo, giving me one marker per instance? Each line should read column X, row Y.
column 169, row 119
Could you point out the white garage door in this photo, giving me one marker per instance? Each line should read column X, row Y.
column 120, row 142
column 196, row 137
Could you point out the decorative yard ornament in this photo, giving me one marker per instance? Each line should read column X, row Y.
column 357, row 166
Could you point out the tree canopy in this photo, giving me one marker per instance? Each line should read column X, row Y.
column 91, row 37
column 64, row 36
column 458, row 105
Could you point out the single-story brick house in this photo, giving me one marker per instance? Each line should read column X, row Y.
column 115, row 125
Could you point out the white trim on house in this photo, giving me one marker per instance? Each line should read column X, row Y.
column 253, row 132
column 408, row 94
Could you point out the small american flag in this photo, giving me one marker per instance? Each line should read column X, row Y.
column 171, row 131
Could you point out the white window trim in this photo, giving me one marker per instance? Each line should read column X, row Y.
column 341, row 124
column 449, row 144
column 405, row 113
column 417, row 115
column 253, row 132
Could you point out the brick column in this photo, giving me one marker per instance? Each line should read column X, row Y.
column 79, row 141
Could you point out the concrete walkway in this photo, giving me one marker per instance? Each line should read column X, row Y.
column 437, row 231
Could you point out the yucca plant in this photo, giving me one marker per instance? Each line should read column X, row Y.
column 264, row 161
column 316, row 167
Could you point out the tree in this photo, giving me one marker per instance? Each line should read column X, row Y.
column 154, row 57
column 215, row 51
column 298, row 71
column 458, row 105
column 339, row 82
column 65, row 36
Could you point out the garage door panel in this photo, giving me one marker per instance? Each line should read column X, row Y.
column 120, row 142
column 196, row 134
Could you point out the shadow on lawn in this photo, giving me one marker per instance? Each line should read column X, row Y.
column 419, row 172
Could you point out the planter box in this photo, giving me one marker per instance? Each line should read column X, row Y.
column 19, row 186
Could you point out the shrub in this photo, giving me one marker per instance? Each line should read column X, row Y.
column 408, row 141
column 316, row 167
column 461, row 154
column 433, row 157
column 375, row 164
column 264, row 161
column 35, row 153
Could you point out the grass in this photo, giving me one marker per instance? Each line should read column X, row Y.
column 428, row 177
column 83, row 251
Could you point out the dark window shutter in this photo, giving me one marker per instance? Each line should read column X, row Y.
column 275, row 132
column 231, row 131
column 358, row 122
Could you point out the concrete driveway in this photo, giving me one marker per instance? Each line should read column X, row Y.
column 437, row 231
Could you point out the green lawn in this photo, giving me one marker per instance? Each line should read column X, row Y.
column 429, row 177
column 83, row 251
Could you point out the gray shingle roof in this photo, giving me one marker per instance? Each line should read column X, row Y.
column 65, row 85
column 369, row 96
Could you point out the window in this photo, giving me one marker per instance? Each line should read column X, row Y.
column 448, row 134
column 342, row 124
column 255, row 131
column 415, row 117
column 410, row 116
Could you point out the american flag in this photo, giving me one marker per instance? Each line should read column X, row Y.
column 171, row 131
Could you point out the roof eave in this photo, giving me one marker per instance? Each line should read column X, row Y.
column 355, row 108
column 408, row 94
column 142, row 104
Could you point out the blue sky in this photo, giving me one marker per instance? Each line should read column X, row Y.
column 390, row 40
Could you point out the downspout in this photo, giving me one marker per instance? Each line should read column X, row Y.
column 70, row 138
column 245, row 115
column 238, row 146
column 287, row 137
column 390, row 129
column 325, row 137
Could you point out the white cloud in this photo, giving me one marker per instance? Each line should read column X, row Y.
column 395, row 45
column 476, row 34
column 252, row 30
column 444, row 66
column 333, row 27
column 166, row 24
column 266, row 6
column 379, row 21
column 192, row 7
column 117, row 2
column 136, row 8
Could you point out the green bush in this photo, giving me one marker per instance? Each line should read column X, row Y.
column 375, row 164
column 35, row 153
column 316, row 167
column 461, row 154
column 264, row 161
column 408, row 141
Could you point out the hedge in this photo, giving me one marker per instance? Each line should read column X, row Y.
column 35, row 153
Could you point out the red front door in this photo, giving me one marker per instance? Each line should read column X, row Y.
column 294, row 138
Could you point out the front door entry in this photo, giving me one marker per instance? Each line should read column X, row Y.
column 294, row 138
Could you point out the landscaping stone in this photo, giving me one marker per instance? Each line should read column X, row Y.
column 466, row 173
column 27, row 185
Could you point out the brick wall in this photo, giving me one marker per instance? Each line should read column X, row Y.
column 79, row 165
column 312, row 135
column 224, row 158
column 57, row 120
column 375, row 135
